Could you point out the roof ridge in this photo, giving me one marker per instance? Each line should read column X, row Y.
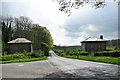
column 93, row 39
column 20, row 40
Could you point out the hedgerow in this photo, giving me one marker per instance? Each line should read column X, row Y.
column 78, row 52
column 18, row 55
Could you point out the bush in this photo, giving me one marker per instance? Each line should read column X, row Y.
column 45, row 48
column 68, row 52
column 41, row 53
column 18, row 55
column 37, row 53
column 84, row 53
column 13, row 56
column 29, row 54
column 113, row 53
column 97, row 54
column 58, row 52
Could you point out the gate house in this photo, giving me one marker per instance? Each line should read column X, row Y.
column 19, row 45
column 93, row 44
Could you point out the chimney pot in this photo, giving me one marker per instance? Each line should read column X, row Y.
column 101, row 36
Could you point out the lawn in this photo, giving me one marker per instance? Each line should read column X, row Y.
column 0, row 45
column 112, row 56
column 23, row 57
column 24, row 60
column 115, row 60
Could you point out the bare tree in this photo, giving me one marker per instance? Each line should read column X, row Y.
column 67, row 5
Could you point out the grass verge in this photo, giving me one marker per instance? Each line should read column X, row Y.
column 24, row 60
column 114, row 60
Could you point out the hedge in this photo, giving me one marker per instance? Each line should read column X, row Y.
column 113, row 53
column 18, row 55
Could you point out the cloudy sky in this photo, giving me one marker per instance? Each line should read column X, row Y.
column 67, row 30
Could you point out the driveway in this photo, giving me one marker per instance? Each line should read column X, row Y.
column 60, row 67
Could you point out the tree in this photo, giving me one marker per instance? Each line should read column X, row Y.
column 67, row 5
column 39, row 35
column 45, row 48
column 22, row 25
column 13, row 28
column 6, row 35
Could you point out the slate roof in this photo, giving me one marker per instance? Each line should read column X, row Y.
column 20, row 40
column 91, row 39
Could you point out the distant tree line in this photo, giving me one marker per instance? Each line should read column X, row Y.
column 67, row 47
column 13, row 28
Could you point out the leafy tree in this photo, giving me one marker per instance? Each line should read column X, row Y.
column 39, row 35
column 45, row 48
column 13, row 28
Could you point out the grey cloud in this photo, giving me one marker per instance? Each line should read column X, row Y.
column 69, row 34
column 105, row 20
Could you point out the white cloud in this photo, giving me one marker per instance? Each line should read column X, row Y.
column 84, row 34
column 46, row 12
column 60, row 38
column 89, row 27
column 58, row 34
column 73, row 29
column 14, row 0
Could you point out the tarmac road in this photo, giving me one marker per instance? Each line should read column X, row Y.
column 59, row 67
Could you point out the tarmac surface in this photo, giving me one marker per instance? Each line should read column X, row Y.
column 60, row 67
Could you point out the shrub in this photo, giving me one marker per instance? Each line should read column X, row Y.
column 113, row 53
column 13, row 56
column 58, row 52
column 97, row 54
column 29, row 54
column 25, row 52
column 7, row 57
column 45, row 48
column 18, row 55
column 79, row 50
column 84, row 53
column 35, row 54
column 68, row 52
column 41, row 53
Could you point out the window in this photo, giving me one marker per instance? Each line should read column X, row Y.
column 99, row 46
column 91, row 46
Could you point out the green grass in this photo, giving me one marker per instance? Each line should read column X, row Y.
column 115, row 60
column 24, row 60
column 103, row 56
column 0, row 45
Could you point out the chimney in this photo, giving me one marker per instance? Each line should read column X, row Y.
column 101, row 36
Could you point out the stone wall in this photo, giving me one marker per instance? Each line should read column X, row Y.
column 19, row 48
column 94, row 46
